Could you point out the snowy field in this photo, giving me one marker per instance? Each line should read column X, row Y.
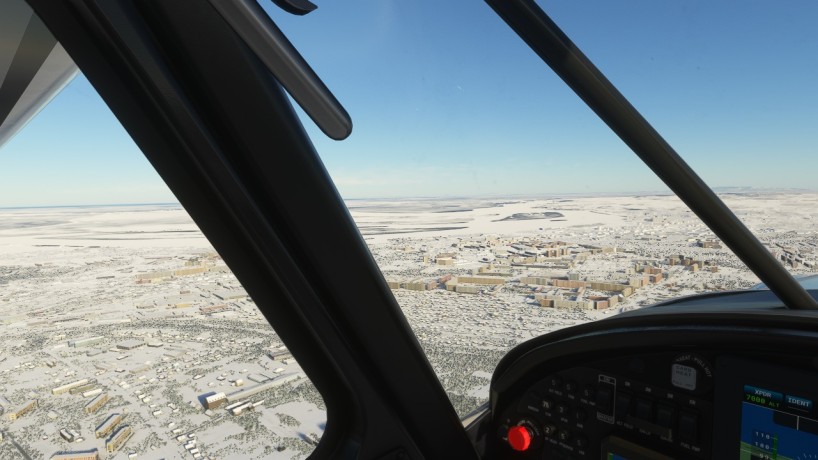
column 145, row 275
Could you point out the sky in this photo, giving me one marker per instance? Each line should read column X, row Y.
column 447, row 101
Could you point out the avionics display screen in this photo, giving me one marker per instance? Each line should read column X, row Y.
column 777, row 426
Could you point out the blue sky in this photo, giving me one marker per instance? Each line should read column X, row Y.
column 446, row 100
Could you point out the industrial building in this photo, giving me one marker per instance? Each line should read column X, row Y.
column 230, row 407
column 279, row 354
column 118, row 439
column 108, row 425
column 241, row 408
column 22, row 410
column 238, row 408
column 250, row 391
column 259, row 377
column 215, row 401
column 92, row 454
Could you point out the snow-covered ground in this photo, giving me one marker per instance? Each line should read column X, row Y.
column 71, row 273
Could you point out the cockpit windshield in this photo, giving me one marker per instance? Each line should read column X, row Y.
column 499, row 206
column 496, row 203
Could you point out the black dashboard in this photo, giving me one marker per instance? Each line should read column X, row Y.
column 634, row 406
column 735, row 382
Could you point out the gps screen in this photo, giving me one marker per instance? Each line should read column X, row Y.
column 777, row 426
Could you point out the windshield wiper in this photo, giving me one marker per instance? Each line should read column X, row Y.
column 540, row 33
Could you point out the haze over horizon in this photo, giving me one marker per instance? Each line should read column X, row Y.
column 447, row 101
column 449, row 198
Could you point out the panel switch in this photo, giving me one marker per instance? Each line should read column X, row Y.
column 664, row 416
column 644, row 409
column 623, row 405
column 603, row 398
column 688, row 427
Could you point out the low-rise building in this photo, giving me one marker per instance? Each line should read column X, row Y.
column 488, row 280
column 94, row 392
column 237, row 410
column 236, row 294
column 211, row 309
column 68, row 386
column 130, row 344
column 463, row 289
column 22, row 410
column 92, row 454
column 108, row 425
column 118, row 439
column 83, row 388
column 67, row 435
column 96, row 403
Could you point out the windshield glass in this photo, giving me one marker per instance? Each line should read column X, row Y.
column 499, row 207
column 496, row 204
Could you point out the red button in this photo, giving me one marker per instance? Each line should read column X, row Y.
column 519, row 438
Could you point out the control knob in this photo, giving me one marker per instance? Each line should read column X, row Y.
column 524, row 436
column 519, row 438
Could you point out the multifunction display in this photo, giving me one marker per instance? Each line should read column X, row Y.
column 777, row 426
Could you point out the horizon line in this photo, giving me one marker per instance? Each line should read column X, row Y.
column 517, row 196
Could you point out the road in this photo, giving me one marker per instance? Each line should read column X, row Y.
column 8, row 436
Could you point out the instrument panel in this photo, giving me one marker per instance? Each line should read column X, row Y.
column 655, row 407
column 736, row 381
column 665, row 406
